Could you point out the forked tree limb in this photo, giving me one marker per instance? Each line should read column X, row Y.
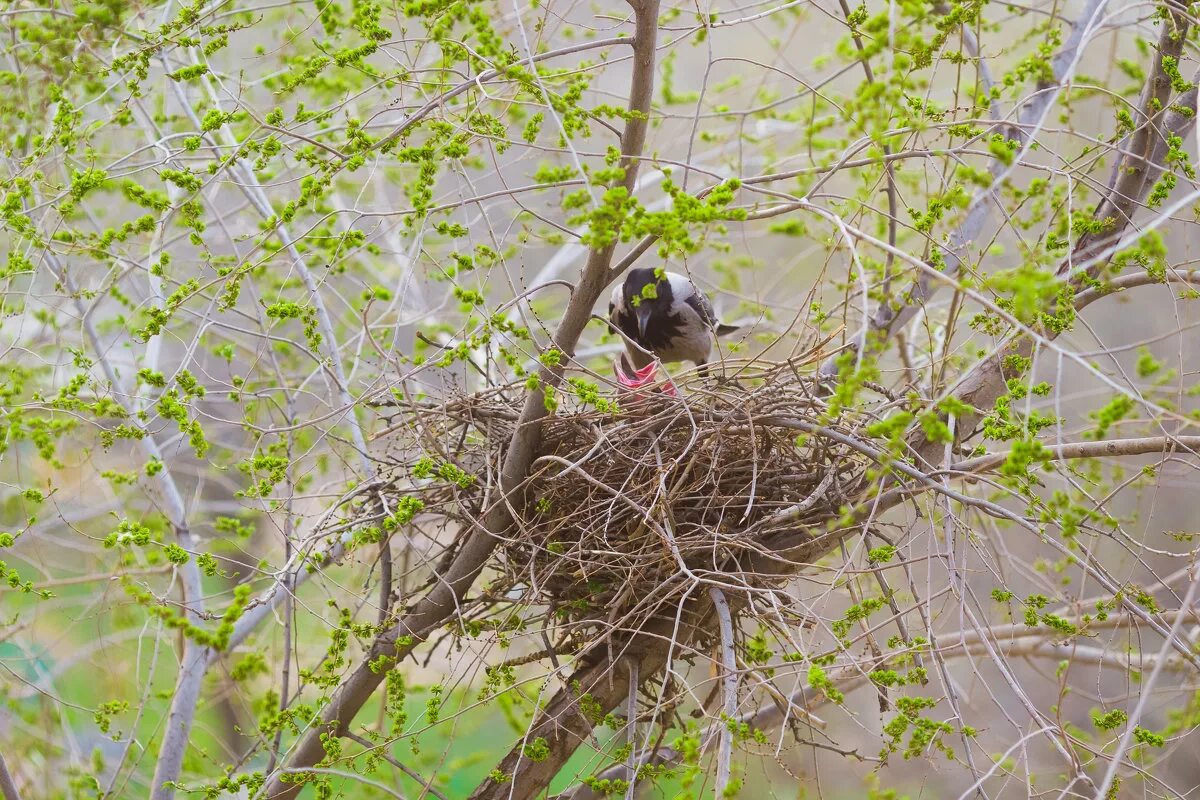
column 892, row 316
column 1135, row 174
column 443, row 599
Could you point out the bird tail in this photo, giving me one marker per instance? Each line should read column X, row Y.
column 725, row 330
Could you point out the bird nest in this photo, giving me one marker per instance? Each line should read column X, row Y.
column 624, row 506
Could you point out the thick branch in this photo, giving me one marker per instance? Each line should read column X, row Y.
column 564, row 727
column 444, row 598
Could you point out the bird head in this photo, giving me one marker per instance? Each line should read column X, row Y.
column 644, row 291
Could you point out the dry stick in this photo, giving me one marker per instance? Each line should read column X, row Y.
column 444, row 598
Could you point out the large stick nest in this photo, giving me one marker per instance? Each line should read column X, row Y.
column 623, row 507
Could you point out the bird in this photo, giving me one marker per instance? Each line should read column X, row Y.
column 662, row 314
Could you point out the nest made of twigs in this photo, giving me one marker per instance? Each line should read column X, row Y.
column 623, row 507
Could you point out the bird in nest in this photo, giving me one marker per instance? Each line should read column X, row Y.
column 661, row 315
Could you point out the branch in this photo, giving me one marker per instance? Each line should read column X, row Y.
column 1143, row 696
column 1113, row 447
column 195, row 655
column 728, row 690
column 7, row 787
column 1025, row 642
column 447, row 593
column 564, row 727
column 383, row 753
column 484, row 77
column 1130, row 281
column 1135, row 174
column 887, row 319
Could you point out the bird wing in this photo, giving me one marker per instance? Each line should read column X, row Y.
column 699, row 303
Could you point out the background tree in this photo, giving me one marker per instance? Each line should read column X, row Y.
column 316, row 480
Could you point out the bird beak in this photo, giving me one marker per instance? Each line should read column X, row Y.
column 643, row 317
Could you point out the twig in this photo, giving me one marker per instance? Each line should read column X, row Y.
column 350, row 776
column 407, row 770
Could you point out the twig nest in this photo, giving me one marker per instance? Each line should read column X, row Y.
column 625, row 505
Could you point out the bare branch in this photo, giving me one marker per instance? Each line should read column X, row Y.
column 1109, row 447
